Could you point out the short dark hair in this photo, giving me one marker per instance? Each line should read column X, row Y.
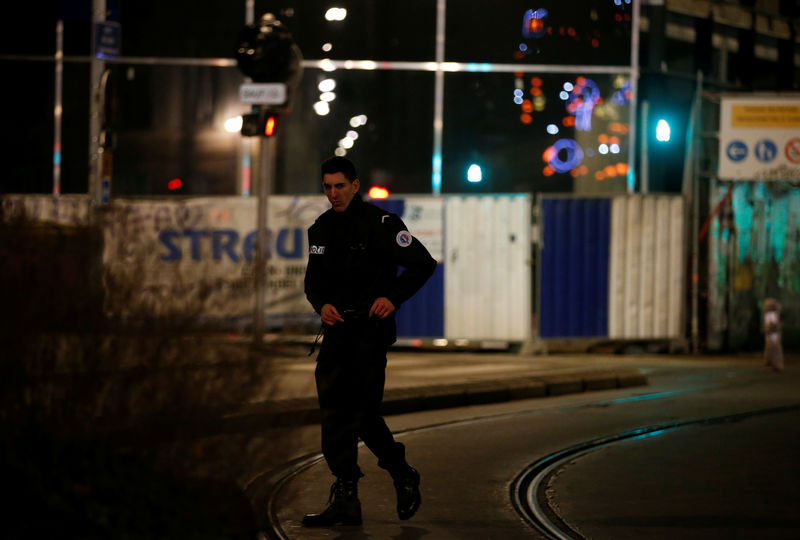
column 339, row 164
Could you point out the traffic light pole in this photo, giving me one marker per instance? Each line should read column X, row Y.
column 266, row 171
column 245, row 178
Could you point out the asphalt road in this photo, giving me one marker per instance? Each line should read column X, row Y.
column 717, row 459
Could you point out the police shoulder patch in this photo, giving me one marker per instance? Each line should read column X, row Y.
column 403, row 238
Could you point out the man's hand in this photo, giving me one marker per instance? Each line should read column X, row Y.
column 329, row 315
column 381, row 308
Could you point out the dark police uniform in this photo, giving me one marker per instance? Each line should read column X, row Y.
column 353, row 259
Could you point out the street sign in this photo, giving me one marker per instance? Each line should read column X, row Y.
column 765, row 150
column 263, row 93
column 792, row 150
column 759, row 137
column 737, row 151
column 107, row 39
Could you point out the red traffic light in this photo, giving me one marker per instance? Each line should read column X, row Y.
column 270, row 125
column 260, row 124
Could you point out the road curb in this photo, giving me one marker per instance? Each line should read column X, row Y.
column 304, row 411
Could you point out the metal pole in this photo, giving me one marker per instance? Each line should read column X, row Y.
column 438, row 99
column 58, row 108
column 635, row 22
column 266, row 168
column 246, row 147
column 97, row 69
column 695, row 157
column 644, row 176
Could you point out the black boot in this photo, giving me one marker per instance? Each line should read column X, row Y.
column 406, row 484
column 343, row 506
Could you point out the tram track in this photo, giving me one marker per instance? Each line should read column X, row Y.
column 528, row 490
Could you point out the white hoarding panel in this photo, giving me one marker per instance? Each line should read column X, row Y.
column 759, row 138
column 488, row 267
column 646, row 270
column 423, row 216
column 617, row 254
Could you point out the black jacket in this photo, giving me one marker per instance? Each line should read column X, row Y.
column 354, row 258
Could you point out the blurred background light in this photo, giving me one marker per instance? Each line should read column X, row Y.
column 322, row 108
column 327, row 85
column 359, row 120
column 377, row 192
column 233, row 124
column 336, row 14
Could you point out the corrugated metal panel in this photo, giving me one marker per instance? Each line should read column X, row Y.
column 487, row 267
column 574, row 267
column 646, row 281
column 677, row 268
column 423, row 314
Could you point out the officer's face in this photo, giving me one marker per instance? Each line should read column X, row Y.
column 339, row 190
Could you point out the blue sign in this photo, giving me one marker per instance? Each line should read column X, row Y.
column 107, row 39
column 736, row 151
column 765, row 150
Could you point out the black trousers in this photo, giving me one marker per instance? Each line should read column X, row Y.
column 350, row 376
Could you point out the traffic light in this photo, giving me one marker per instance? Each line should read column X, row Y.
column 270, row 58
column 263, row 123
column 663, row 131
column 666, row 104
column 474, row 174
column 267, row 53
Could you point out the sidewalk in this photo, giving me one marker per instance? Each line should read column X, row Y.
column 425, row 380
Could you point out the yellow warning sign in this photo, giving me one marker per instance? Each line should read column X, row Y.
column 765, row 116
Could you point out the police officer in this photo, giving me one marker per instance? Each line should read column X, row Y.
column 352, row 281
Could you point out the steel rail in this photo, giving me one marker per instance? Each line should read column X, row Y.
column 528, row 488
column 289, row 470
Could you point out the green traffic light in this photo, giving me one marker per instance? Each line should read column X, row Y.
column 474, row 173
column 663, row 131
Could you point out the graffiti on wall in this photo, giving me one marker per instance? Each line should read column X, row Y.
column 754, row 254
